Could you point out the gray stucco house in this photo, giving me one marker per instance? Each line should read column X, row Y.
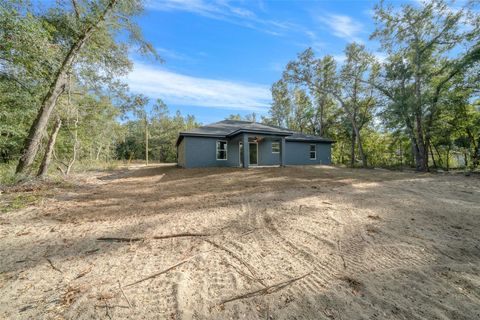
column 232, row 143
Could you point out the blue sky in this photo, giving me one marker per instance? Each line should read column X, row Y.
column 221, row 57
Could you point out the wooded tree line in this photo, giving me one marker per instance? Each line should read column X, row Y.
column 418, row 106
column 62, row 98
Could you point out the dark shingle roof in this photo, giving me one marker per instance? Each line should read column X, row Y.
column 297, row 136
column 228, row 128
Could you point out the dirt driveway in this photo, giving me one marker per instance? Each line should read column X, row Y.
column 267, row 243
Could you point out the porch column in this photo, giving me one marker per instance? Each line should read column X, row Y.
column 282, row 152
column 246, row 150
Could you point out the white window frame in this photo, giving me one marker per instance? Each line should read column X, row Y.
column 226, row 150
column 310, row 151
column 276, row 142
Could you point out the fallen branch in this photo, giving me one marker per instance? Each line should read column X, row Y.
column 51, row 265
column 107, row 311
column 114, row 239
column 124, row 295
column 267, row 290
column 177, row 235
column 236, row 257
column 166, row 270
column 84, row 272
column 180, row 235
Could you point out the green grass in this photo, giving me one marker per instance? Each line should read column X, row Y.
column 88, row 165
column 7, row 174
column 18, row 201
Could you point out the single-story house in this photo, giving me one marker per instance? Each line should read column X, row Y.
column 233, row 143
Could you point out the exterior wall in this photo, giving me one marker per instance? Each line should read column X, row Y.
column 181, row 154
column 265, row 155
column 195, row 152
column 234, row 152
column 201, row 152
column 298, row 153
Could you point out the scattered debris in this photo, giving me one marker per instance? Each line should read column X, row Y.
column 166, row 270
column 124, row 295
column 51, row 265
column 25, row 308
column 84, row 272
column 91, row 251
column 236, row 257
column 177, row 235
column 267, row 290
column 354, row 284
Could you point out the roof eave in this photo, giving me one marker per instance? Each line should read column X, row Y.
column 310, row 140
column 265, row 132
column 191, row 134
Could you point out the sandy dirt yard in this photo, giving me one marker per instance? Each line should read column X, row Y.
column 312, row 242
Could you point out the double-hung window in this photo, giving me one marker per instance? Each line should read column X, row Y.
column 221, row 150
column 275, row 147
column 313, row 152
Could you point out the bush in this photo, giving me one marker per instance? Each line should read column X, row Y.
column 7, row 174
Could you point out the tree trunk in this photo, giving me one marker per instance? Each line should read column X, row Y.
column 146, row 140
column 75, row 147
column 97, row 157
column 421, row 160
column 48, row 152
column 352, row 149
column 448, row 158
column 32, row 142
column 433, row 158
column 360, row 147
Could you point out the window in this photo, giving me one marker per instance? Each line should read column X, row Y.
column 275, row 147
column 313, row 152
column 221, row 150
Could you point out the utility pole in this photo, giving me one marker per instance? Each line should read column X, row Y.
column 146, row 139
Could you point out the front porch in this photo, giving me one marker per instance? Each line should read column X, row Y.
column 258, row 150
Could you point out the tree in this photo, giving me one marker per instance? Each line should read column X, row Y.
column 84, row 36
column 42, row 171
column 354, row 95
column 314, row 76
column 281, row 107
column 420, row 41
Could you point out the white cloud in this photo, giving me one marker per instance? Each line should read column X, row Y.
column 222, row 10
column 174, row 55
column 339, row 58
column 175, row 88
column 343, row 26
column 380, row 56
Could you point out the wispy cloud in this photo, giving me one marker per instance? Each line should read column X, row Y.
column 343, row 26
column 339, row 58
column 174, row 55
column 223, row 10
column 179, row 89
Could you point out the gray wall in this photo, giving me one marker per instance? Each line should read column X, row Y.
column 234, row 152
column 201, row 152
column 298, row 153
column 265, row 155
column 181, row 154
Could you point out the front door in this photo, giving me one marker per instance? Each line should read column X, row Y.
column 253, row 146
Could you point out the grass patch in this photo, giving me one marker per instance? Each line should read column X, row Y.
column 16, row 202
column 7, row 174
column 85, row 166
